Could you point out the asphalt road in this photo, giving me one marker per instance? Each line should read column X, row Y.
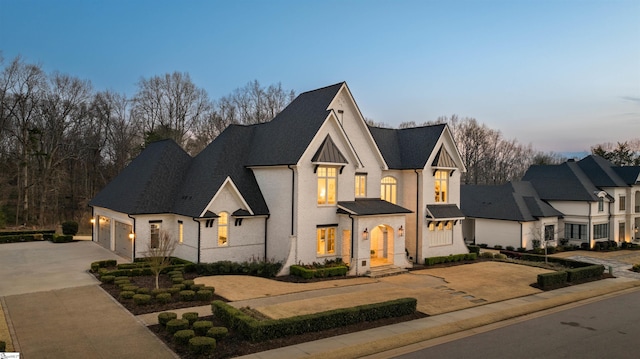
column 609, row 328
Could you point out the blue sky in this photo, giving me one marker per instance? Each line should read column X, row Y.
column 561, row 75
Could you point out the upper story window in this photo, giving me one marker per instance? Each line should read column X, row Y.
column 622, row 204
column 180, row 232
column 327, row 185
column 361, row 185
column 441, row 186
column 223, row 229
column 600, row 204
column 388, row 189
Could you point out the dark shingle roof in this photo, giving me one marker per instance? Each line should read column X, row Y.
column 600, row 172
column 407, row 148
column 148, row 183
column 443, row 211
column 513, row 201
column 629, row 174
column 224, row 157
column 370, row 206
column 563, row 182
column 283, row 140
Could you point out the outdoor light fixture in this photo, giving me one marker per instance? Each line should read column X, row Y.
column 365, row 234
column 401, row 231
column 132, row 235
column 92, row 220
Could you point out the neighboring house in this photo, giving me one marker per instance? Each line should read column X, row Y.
column 599, row 201
column 315, row 183
column 507, row 215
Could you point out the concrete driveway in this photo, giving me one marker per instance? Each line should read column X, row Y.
column 52, row 306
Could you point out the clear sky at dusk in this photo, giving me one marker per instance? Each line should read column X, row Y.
column 561, row 75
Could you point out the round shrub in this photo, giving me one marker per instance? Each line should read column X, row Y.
column 155, row 292
column 201, row 327
column 120, row 282
column 127, row 294
column 173, row 290
column 107, row 278
column 499, row 256
column 121, row 277
column 163, row 298
column 69, row 228
column 165, row 317
column 182, row 336
column 217, row 333
column 141, row 299
column 204, row 295
column 130, row 288
column 143, row 291
column 196, row 287
column 201, row 345
column 177, row 280
column 188, row 282
column 171, row 273
column 486, row 255
column 212, row 289
column 187, row 295
column 177, row 324
column 190, row 316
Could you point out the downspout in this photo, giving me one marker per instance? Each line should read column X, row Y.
column 417, row 212
column 590, row 230
column 352, row 244
column 521, row 236
column 133, row 256
column 293, row 181
column 198, row 254
column 611, row 227
column 265, row 236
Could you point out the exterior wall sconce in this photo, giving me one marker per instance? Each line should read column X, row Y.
column 132, row 235
column 365, row 234
column 401, row 231
column 92, row 220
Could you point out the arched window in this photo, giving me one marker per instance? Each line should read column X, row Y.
column 223, row 229
column 388, row 189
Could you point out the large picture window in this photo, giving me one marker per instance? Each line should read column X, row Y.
column 327, row 185
column 575, row 231
column 601, row 231
column 326, row 240
column 441, row 185
column 388, row 189
column 223, row 229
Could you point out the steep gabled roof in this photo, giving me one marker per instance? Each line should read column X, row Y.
column 224, row 157
column 283, row 140
column 407, row 148
column 563, row 182
column 513, row 201
column 629, row 174
column 600, row 172
column 148, row 183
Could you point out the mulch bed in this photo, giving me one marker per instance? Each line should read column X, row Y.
column 233, row 345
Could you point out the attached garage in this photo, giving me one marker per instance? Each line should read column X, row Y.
column 124, row 245
column 104, row 232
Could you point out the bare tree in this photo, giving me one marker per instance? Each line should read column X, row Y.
column 158, row 255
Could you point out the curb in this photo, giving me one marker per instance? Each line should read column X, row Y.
column 401, row 340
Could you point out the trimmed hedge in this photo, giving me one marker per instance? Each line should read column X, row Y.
column 204, row 295
column 163, row 297
column 62, row 238
column 308, row 273
column 474, row 249
column 569, row 263
column 579, row 274
column 70, row 228
column 260, row 330
column 552, row 280
column 191, row 317
column 25, row 236
column 218, row 333
column 177, row 324
column 451, row 258
column 183, row 336
column 201, row 327
column 266, row 269
column 165, row 317
column 187, row 295
column 201, row 345
column 141, row 299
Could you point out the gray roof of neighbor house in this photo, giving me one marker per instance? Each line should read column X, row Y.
column 581, row 180
column 148, row 183
column 370, row 206
column 407, row 148
column 513, row 201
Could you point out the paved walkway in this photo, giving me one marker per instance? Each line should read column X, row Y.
column 618, row 269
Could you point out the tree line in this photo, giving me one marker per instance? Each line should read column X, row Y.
column 61, row 141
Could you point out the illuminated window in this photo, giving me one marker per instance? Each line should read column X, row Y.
column 388, row 189
column 223, row 229
column 180, row 232
column 441, row 179
column 361, row 185
column 327, row 185
column 326, row 239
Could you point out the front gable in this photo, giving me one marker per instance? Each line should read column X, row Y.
column 445, row 154
column 229, row 199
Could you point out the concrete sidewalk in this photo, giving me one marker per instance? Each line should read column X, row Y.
column 375, row 342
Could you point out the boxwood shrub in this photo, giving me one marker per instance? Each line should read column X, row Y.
column 218, row 333
column 163, row 297
column 259, row 330
column 308, row 273
column 141, row 299
column 70, row 228
column 552, row 280
column 177, row 324
column 201, row 327
column 182, row 336
column 107, row 278
column 187, row 295
column 201, row 345
column 204, row 295
column 126, row 294
column 191, row 317
column 578, row 274
column 450, row 258
column 165, row 317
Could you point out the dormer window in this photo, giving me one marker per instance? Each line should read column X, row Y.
column 441, row 186
column 327, row 185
